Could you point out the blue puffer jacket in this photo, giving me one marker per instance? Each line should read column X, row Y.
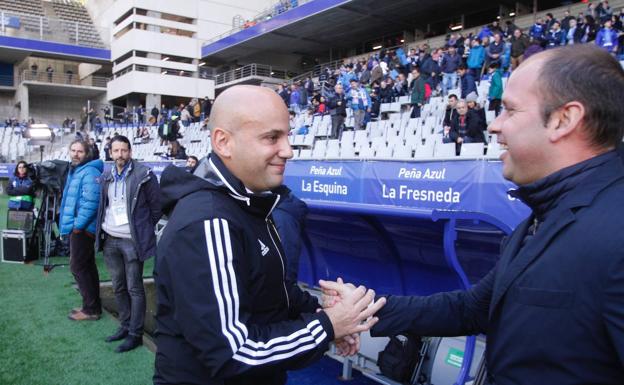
column 81, row 197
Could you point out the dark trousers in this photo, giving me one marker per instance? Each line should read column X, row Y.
column 337, row 126
column 82, row 266
column 126, row 271
column 495, row 105
column 415, row 111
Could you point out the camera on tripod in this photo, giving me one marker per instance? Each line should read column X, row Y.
column 35, row 229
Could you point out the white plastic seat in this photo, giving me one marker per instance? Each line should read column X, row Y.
column 472, row 150
column 444, row 150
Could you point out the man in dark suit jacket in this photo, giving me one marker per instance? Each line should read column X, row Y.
column 553, row 306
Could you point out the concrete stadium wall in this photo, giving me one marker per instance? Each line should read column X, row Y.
column 52, row 109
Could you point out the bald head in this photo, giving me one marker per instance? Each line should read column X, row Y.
column 245, row 105
column 249, row 132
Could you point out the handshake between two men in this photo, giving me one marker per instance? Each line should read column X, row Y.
column 351, row 311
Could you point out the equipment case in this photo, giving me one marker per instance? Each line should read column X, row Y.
column 14, row 246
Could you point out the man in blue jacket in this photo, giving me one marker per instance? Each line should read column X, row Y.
column 78, row 213
column 553, row 306
column 128, row 211
column 226, row 314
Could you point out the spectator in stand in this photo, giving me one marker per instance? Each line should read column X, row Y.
column 565, row 22
column 206, row 108
column 50, row 72
column 197, row 111
column 376, row 72
column 337, row 105
column 154, row 115
column 21, row 189
column 360, row 103
column 495, row 50
column 484, row 32
column 430, row 69
column 400, row 87
column 465, row 128
column 467, row 82
column 588, row 29
column 34, row 71
column 176, row 151
column 495, row 28
column 450, row 63
column 191, row 163
column 538, row 30
column 555, row 36
column 476, row 57
column 303, row 96
column 451, row 110
column 574, row 34
column 603, row 12
column 282, row 91
column 385, row 92
column 510, row 28
column 294, row 98
column 473, row 105
column 140, row 112
column 417, row 87
column 164, row 114
column 185, row 116
column 107, row 147
column 495, row 93
column 550, row 21
column 375, row 103
column 519, row 44
column 95, row 151
column 607, row 38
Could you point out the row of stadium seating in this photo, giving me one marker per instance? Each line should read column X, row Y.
column 73, row 11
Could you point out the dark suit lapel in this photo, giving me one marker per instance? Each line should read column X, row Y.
column 525, row 256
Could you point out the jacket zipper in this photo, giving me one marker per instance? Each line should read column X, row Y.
column 269, row 222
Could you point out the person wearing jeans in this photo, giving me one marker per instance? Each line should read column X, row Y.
column 128, row 211
column 78, row 212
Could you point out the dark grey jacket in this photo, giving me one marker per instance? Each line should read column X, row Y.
column 144, row 211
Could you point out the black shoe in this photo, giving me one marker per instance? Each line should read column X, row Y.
column 131, row 342
column 120, row 334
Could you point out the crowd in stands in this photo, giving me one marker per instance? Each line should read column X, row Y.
column 461, row 63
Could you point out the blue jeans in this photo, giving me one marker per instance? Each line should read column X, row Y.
column 449, row 81
column 126, row 271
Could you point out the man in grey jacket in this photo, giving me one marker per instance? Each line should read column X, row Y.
column 128, row 211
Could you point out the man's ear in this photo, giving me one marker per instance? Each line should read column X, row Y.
column 221, row 142
column 566, row 120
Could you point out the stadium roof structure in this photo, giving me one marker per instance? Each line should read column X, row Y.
column 317, row 26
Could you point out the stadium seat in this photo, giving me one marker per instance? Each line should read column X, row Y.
column 444, row 150
column 305, row 154
column 378, row 142
column 347, row 152
column 367, row 153
column 424, row 151
column 384, row 152
column 402, row 152
column 472, row 150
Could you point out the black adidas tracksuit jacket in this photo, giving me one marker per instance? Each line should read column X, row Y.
column 225, row 314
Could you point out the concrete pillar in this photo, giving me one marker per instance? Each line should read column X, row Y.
column 152, row 100
column 21, row 97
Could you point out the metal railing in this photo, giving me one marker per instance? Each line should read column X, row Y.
column 267, row 14
column 63, row 78
column 248, row 71
column 38, row 27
